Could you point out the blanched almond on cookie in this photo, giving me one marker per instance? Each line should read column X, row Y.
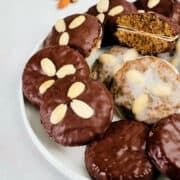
column 162, row 90
column 60, row 25
column 152, row 3
column 130, row 55
column 101, row 17
column 66, row 70
column 78, row 21
column 46, row 85
column 140, row 103
column 135, row 76
column 102, row 6
column 64, row 39
column 58, row 114
column 48, row 67
column 76, row 89
column 116, row 10
column 108, row 59
column 82, row 109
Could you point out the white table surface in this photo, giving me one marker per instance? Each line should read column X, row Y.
column 23, row 23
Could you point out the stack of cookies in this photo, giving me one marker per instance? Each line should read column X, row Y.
column 77, row 103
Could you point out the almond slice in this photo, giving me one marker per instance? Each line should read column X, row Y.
column 66, row 70
column 107, row 59
column 130, row 55
column 81, row 109
column 78, row 21
column 135, row 76
column 102, row 6
column 139, row 104
column 58, row 114
column 76, row 89
column 162, row 90
column 64, row 39
column 116, row 10
column 152, row 3
column 101, row 17
column 48, row 67
column 60, row 25
column 45, row 86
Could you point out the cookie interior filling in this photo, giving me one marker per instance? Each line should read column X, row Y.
column 145, row 32
column 158, row 36
column 146, row 22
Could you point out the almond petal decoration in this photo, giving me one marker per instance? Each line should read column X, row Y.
column 48, row 67
column 45, row 86
column 81, row 109
column 76, row 89
column 58, row 114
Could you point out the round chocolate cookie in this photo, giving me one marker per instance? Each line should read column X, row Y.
column 110, row 62
column 80, row 31
column 107, row 12
column 48, row 65
column 164, row 146
column 168, row 8
column 149, row 87
column 120, row 154
column 76, row 110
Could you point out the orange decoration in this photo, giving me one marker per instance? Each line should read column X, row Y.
column 63, row 3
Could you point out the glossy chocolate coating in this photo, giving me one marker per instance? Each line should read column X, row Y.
column 110, row 21
column 120, row 154
column 168, row 8
column 83, row 38
column 164, row 146
column 128, row 8
column 74, row 130
column 33, row 75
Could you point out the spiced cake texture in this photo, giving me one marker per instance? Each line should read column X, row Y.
column 149, row 33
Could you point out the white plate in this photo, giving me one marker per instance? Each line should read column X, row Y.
column 68, row 160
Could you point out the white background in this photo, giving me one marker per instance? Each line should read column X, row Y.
column 23, row 23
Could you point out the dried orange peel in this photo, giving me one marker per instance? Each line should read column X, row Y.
column 64, row 3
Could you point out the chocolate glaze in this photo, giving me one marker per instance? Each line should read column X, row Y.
column 168, row 8
column 120, row 154
column 164, row 146
column 73, row 130
column 128, row 8
column 33, row 75
column 110, row 21
column 83, row 38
